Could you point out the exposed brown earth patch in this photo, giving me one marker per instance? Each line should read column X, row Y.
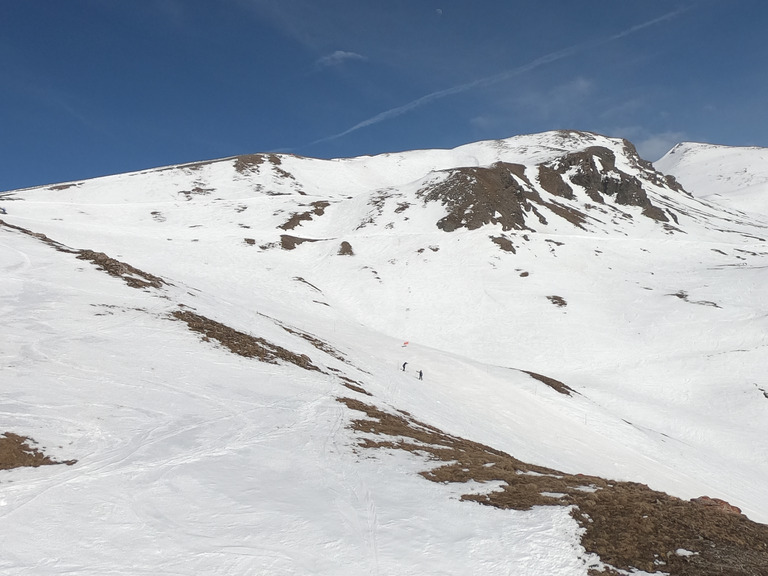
column 673, row 216
column 378, row 202
column 197, row 190
column 478, row 196
column 347, row 382
column 318, row 209
column 558, row 301
column 321, row 345
column 683, row 295
column 250, row 163
column 17, row 451
column 42, row 237
column 288, row 242
column 188, row 167
column 552, row 383
column 134, row 277
column 60, row 187
column 375, row 274
column 300, row 279
column 575, row 217
column 345, row 249
column 241, row 343
column 354, row 385
column 628, row 525
column 130, row 275
column 504, row 243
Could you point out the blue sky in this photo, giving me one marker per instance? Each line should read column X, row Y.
column 95, row 87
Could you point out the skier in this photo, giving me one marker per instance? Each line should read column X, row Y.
column 420, row 375
column 404, row 364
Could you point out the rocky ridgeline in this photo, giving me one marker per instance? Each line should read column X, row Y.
column 569, row 187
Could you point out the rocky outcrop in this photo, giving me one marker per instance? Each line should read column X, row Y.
column 497, row 194
column 345, row 249
column 478, row 196
column 594, row 169
column 513, row 195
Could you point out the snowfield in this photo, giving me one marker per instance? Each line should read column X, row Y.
column 194, row 459
column 733, row 176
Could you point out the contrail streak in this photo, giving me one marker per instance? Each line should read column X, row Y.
column 638, row 27
column 496, row 78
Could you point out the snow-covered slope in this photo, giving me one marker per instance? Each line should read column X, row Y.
column 733, row 176
column 510, row 268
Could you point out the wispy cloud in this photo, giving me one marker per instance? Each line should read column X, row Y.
column 339, row 57
column 500, row 77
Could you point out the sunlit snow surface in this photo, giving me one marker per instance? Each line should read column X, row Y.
column 192, row 460
column 735, row 176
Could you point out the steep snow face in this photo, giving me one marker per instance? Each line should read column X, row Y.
column 561, row 254
column 732, row 176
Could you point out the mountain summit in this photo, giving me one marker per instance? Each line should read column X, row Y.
column 537, row 355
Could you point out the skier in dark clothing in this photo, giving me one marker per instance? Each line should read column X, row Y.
column 420, row 375
column 404, row 364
